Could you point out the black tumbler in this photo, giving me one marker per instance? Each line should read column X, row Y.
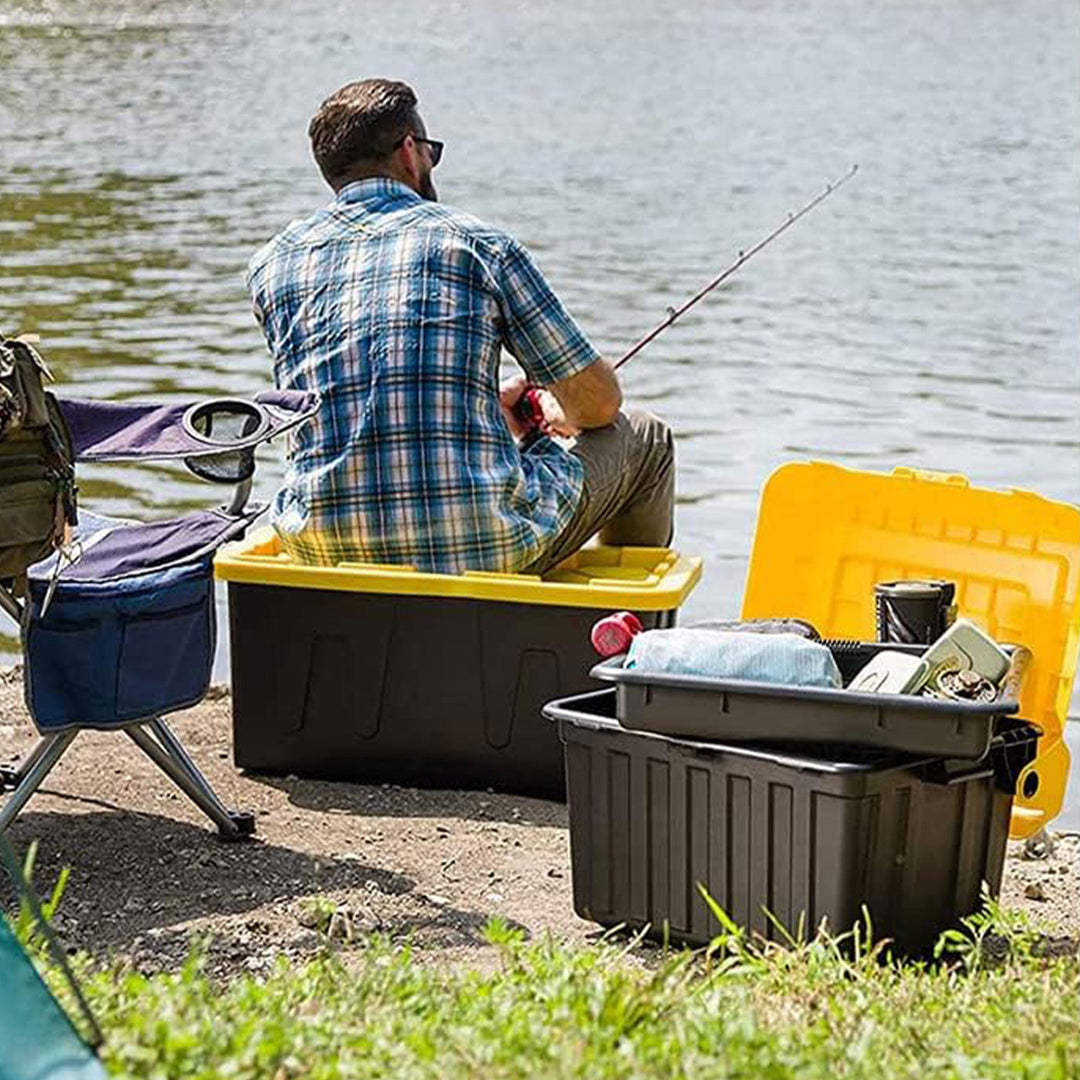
column 913, row 612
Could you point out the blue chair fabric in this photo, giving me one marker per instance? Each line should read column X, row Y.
column 129, row 630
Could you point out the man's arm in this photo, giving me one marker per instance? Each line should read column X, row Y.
column 580, row 389
column 589, row 399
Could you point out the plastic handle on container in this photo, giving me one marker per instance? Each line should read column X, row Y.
column 905, row 472
column 612, row 634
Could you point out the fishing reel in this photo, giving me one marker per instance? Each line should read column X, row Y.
column 530, row 414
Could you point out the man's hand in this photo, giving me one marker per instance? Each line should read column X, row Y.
column 555, row 422
column 554, row 419
column 509, row 394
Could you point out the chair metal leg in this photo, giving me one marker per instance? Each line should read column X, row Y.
column 36, row 751
column 165, row 750
column 243, row 822
column 33, row 771
column 11, row 775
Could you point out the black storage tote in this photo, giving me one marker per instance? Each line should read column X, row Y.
column 806, row 833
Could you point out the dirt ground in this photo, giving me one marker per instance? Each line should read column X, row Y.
column 147, row 871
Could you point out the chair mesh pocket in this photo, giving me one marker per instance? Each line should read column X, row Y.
column 108, row 654
column 224, row 423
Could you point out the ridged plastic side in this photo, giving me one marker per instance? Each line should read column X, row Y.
column 807, row 840
column 404, row 689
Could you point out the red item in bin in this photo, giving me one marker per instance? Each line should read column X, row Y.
column 611, row 635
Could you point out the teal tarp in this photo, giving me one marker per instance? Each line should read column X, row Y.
column 37, row 1040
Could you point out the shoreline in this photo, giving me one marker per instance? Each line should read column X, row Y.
column 147, row 873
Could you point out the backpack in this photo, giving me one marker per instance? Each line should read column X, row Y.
column 37, row 470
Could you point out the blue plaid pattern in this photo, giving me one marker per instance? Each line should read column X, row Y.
column 394, row 310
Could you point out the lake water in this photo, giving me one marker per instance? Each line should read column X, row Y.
column 926, row 315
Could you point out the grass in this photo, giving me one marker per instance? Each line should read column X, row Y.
column 824, row 1008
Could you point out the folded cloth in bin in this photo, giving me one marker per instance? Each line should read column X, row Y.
column 766, row 658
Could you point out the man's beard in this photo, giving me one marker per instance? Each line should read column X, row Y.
column 427, row 188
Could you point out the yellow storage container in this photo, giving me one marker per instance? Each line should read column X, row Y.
column 635, row 578
column 825, row 535
column 385, row 673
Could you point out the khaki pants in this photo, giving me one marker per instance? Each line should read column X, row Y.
column 629, row 492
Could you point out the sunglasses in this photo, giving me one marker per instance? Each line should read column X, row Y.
column 435, row 146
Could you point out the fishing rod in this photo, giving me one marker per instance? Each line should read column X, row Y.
column 744, row 256
column 528, row 410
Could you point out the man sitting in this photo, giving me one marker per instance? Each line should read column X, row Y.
column 394, row 309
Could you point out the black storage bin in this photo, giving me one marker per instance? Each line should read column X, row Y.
column 779, row 828
column 699, row 707
column 403, row 689
column 386, row 674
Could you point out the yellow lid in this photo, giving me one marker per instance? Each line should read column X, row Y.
column 826, row 535
column 639, row 578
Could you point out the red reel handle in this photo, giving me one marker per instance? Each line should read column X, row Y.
column 527, row 410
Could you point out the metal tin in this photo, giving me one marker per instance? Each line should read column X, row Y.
column 913, row 612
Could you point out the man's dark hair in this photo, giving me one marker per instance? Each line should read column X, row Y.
column 359, row 124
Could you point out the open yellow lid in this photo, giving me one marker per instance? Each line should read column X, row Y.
column 637, row 578
column 826, row 535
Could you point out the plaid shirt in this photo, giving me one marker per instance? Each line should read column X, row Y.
column 394, row 309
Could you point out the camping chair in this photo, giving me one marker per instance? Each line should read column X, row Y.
column 119, row 627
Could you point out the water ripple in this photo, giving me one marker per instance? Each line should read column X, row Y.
column 925, row 315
